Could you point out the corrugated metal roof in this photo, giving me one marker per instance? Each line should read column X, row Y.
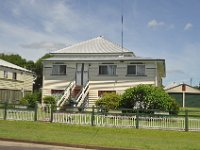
column 178, row 89
column 97, row 45
column 13, row 66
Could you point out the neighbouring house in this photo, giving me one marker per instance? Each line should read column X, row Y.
column 15, row 82
column 185, row 95
column 84, row 71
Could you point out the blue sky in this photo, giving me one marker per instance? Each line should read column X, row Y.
column 168, row 29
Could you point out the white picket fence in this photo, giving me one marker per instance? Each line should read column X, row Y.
column 72, row 118
column 25, row 115
column 43, row 112
column 110, row 120
column 115, row 121
column 194, row 124
column 2, row 114
column 166, row 123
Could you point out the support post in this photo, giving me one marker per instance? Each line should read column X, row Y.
column 92, row 116
column 51, row 119
column 5, row 110
column 183, row 99
column 36, row 112
column 186, row 121
column 137, row 119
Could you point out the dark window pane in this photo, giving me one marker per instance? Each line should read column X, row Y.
column 131, row 70
column 103, row 70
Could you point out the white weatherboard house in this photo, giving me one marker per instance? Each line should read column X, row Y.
column 84, row 71
column 15, row 82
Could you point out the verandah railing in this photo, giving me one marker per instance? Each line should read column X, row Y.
column 187, row 121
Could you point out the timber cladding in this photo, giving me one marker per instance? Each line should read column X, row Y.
column 11, row 96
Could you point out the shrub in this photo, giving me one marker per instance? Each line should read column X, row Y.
column 50, row 100
column 109, row 101
column 148, row 97
column 31, row 99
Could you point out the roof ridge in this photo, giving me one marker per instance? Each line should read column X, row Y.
column 14, row 66
column 99, row 44
column 79, row 43
column 116, row 44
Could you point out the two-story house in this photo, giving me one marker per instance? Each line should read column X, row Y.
column 87, row 69
column 15, row 82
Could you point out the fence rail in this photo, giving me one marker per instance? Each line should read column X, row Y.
column 20, row 115
column 93, row 117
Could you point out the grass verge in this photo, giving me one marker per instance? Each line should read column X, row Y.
column 96, row 136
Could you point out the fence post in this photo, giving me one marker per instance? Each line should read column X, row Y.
column 51, row 119
column 5, row 110
column 36, row 111
column 186, row 121
column 92, row 116
column 137, row 119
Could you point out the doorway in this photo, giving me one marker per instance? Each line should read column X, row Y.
column 81, row 73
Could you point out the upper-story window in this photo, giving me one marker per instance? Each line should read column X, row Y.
column 138, row 69
column 5, row 75
column 107, row 69
column 14, row 76
column 59, row 69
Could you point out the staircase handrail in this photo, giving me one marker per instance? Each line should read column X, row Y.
column 83, row 94
column 66, row 93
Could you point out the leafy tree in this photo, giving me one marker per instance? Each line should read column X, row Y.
column 109, row 101
column 148, row 97
column 38, row 69
column 14, row 58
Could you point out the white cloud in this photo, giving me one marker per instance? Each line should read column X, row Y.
column 188, row 26
column 44, row 45
column 155, row 24
column 184, row 66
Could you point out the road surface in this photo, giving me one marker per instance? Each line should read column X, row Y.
column 5, row 145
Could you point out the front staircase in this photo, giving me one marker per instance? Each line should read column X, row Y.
column 74, row 95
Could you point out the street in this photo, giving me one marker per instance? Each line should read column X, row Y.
column 4, row 145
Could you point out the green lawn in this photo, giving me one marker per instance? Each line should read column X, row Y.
column 109, row 137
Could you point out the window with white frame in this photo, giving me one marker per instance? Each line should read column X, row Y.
column 137, row 69
column 59, row 69
column 107, row 69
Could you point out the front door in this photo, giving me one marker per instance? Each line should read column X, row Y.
column 81, row 73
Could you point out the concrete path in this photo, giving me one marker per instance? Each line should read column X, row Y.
column 5, row 145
